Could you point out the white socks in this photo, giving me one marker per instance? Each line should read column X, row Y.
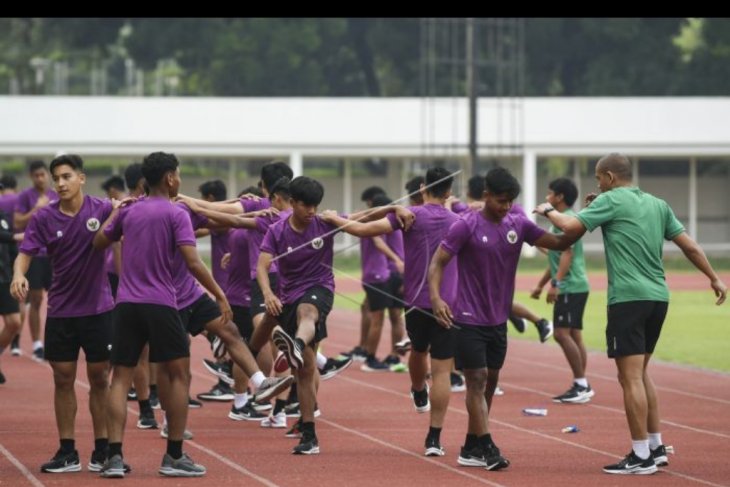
column 240, row 400
column 257, row 379
column 641, row 448
column 655, row 440
column 37, row 344
column 321, row 360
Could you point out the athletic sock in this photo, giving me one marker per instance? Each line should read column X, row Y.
column 240, row 400
column 434, row 433
column 655, row 440
column 470, row 442
column 37, row 344
column 153, row 388
column 144, row 406
column 292, row 394
column 641, row 448
column 307, row 427
column 101, row 444
column 68, row 445
column 279, row 406
column 115, row 449
column 257, row 378
column 321, row 361
column 174, row 448
column 581, row 381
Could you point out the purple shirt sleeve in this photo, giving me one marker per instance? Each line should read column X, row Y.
column 456, row 237
column 531, row 231
column 459, row 207
column 113, row 231
column 394, row 223
column 268, row 245
column 33, row 241
column 183, row 230
column 262, row 224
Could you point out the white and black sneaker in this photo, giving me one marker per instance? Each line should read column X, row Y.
column 222, row 370
column 219, row 392
column 333, row 367
column 218, row 347
column 659, row 454
column 182, row 467
column 494, row 458
column 632, row 465
column 308, row 445
column 147, row 420
column 577, row 394
column 63, row 462
column 272, row 387
column 292, row 350
column 545, row 329
column 473, row 457
column 245, row 413
column 15, row 350
column 434, row 448
column 420, row 400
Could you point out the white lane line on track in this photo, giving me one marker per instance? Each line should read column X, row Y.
column 26, row 473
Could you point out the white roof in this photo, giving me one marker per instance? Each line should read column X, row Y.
column 360, row 126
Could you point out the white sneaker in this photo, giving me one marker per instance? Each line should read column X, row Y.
column 498, row 391
column 277, row 420
column 187, row 434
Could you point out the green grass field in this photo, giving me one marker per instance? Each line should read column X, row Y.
column 695, row 332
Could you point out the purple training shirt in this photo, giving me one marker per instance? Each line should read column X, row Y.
column 374, row 263
column 238, row 291
column 187, row 288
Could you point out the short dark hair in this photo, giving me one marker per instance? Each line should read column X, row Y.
column 381, row 199
column 566, row 187
column 71, row 160
column 414, row 184
column 370, row 192
column 445, row 179
column 618, row 164
column 272, row 171
column 476, row 187
column 9, row 181
column 156, row 165
column 133, row 174
column 251, row 189
column 115, row 182
column 281, row 187
column 33, row 166
column 216, row 188
column 500, row 181
column 306, row 190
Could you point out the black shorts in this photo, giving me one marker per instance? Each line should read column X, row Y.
column 136, row 324
column 114, row 283
column 39, row 273
column 244, row 322
column 426, row 334
column 257, row 297
column 8, row 304
column 478, row 347
column 634, row 327
column 568, row 310
column 65, row 336
column 378, row 294
column 395, row 287
column 318, row 296
column 195, row 316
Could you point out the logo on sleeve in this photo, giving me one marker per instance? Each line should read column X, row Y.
column 317, row 243
column 59, row 234
column 485, row 239
column 92, row 224
column 512, row 236
column 4, row 224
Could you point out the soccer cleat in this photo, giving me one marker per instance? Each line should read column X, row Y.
column 374, row 365
column 457, row 382
column 308, row 445
column 295, row 431
column 545, row 329
column 518, row 323
column 187, row 434
column 631, row 464
column 132, row 394
column 494, row 459
column 420, row 400
column 292, row 350
column 245, row 413
column 659, row 454
column 182, row 467
column 38, row 355
column 63, row 462
column 272, row 387
column 113, row 468
column 219, row 392
column 333, row 367
column 358, row 354
column 147, row 420
column 219, row 348
column 280, row 363
column 221, row 370
column 277, row 420
column 403, row 346
column 473, row 457
column 433, row 448
column 577, row 394
column 193, row 404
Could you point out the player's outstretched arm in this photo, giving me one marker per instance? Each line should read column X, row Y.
column 357, row 228
column 696, row 255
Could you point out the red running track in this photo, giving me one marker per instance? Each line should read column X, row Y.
column 369, row 432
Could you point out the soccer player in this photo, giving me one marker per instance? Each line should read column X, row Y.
column 9, row 308
column 79, row 305
column 569, row 294
column 634, row 226
column 8, row 200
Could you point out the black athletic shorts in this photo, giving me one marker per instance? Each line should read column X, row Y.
column 318, row 296
column 39, row 273
column 136, row 324
column 258, row 305
column 395, row 288
column 568, row 310
column 114, row 283
column 426, row 334
column 65, row 336
column 481, row 346
column 195, row 316
column 378, row 294
column 243, row 321
column 8, row 304
column 634, row 327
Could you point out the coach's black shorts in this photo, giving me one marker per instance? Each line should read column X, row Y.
column 481, row 346
column 243, row 321
column 634, row 327
column 258, row 305
column 65, row 336
column 136, row 324
column 395, row 288
column 426, row 334
column 8, row 304
column 568, row 310
column 195, row 316
column 318, row 296
column 378, row 294
column 39, row 273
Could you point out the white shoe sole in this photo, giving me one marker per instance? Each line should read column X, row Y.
column 266, row 395
column 173, row 472
column 434, row 452
column 634, row 471
column 66, row 469
column 313, row 451
column 468, row 462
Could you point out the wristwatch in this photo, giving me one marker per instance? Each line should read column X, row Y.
column 547, row 210
column 555, row 282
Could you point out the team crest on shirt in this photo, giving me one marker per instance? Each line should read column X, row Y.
column 289, row 250
column 317, row 243
column 59, row 234
column 485, row 239
column 92, row 224
column 4, row 224
column 512, row 236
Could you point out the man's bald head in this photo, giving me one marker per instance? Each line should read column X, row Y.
column 617, row 164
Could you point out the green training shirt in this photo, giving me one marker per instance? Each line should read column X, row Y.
column 575, row 281
column 635, row 225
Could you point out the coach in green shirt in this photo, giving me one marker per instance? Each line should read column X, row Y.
column 635, row 225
